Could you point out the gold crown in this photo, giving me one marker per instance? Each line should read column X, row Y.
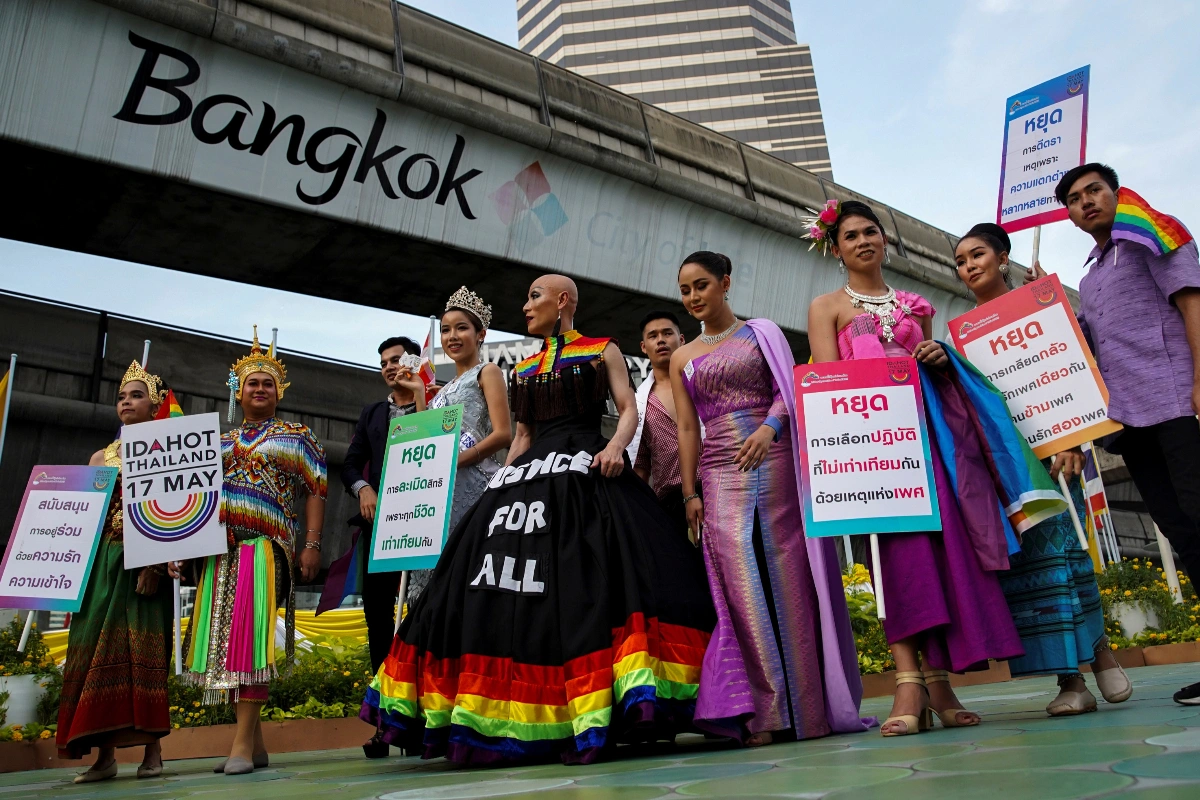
column 466, row 300
column 258, row 361
column 153, row 383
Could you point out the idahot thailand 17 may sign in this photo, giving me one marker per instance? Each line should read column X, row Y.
column 864, row 448
column 1045, row 134
column 415, row 495
column 171, row 489
column 54, row 539
column 1029, row 345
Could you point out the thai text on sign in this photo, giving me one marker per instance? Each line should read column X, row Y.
column 54, row 539
column 864, row 448
column 1029, row 345
column 416, row 492
column 172, row 477
column 1045, row 134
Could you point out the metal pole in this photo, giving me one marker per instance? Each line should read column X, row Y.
column 25, row 633
column 849, row 553
column 1168, row 562
column 400, row 600
column 1066, row 490
column 1037, row 244
column 8, row 390
column 880, row 609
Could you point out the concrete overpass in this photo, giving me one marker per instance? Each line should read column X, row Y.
column 364, row 151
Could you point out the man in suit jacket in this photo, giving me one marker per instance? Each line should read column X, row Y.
column 361, row 474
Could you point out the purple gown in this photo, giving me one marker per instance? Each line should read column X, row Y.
column 935, row 587
column 763, row 669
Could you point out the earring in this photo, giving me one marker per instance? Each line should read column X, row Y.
column 557, row 325
column 1004, row 269
column 887, row 257
column 727, row 297
column 841, row 266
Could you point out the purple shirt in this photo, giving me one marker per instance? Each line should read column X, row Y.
column 1135, row 331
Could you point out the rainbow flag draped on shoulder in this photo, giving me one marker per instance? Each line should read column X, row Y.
column 1137, row 222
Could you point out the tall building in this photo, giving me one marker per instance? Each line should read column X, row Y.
column 732, row 65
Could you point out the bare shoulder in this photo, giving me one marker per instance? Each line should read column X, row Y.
column 683, row 355
column 491, row 372
column 826, row 303
column 97, row 459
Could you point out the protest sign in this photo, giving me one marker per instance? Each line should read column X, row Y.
column 53, row 542
column 864, row 448
column 171, row 478
column 1045, row 134
column 417, row 490
column 1029, row 345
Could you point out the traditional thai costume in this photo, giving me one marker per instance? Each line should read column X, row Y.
column 114, row 690
column 943, row 588
column 267, row 464
column 559, row 619
column 782, row 657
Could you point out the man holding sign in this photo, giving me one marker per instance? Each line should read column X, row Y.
column 268, row 463
column 118, row 651
column 1140, row 310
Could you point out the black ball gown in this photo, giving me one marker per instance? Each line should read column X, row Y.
column 565, row 614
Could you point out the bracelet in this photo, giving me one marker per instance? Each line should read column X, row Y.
column 312, row 545
column 691, row 497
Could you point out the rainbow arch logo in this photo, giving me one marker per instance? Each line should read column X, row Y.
column 161, row 524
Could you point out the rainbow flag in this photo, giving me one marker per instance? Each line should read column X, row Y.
column 169, row 408
column 1137, row 222
column 427, row 373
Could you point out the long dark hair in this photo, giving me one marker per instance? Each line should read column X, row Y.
column 716, row 264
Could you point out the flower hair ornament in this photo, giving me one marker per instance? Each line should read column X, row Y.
column 820, row 224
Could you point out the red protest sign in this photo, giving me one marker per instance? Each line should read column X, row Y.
column 1029, row 345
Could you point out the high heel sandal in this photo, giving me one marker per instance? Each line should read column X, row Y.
column 912, row 723
column 949, row 716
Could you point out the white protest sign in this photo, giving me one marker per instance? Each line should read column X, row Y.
column 171, row 478
column 864, row 449
column 1029, row 345
column 1045, row 134
column 416, row 491
column 53, row 542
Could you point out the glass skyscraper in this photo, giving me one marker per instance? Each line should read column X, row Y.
column 731, row 65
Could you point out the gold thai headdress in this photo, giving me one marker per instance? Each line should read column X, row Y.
column 466, row 300
column 153, row 383
column 257, row 361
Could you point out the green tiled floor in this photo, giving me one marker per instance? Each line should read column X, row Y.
column 1147, row 748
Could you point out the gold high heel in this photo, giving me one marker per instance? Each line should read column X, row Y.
column 913, row 724
column 949, row 716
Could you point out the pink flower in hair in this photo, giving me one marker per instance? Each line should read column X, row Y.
column 815, row 232
column 832, row 203
column 828, row 216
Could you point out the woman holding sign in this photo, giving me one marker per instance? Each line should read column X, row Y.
column 942, row 589
column 119, row 648
column 781, row 663
column 1051, row 587
column 486, row 423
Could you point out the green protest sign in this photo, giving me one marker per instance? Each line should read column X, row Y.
column 412, row 519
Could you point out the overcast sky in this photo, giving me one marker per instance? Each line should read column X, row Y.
column 913, row 106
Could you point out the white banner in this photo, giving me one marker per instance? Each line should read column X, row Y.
column 171, row 478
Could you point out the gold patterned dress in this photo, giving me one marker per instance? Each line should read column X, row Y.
column 118, row 650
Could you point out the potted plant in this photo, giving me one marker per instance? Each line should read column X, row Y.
column 22, row 674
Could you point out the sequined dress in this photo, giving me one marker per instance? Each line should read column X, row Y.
column 267, row 465
column 469, row 482
column 558, row 621
column 114, row 689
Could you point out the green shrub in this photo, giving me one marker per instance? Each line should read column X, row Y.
column 1139, row 582
column 36, row 658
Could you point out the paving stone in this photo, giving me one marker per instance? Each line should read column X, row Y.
column 1030, row 758
column 794, row 781
column 1043, row 785
column 674, row 776
column 1182, row 765
column 1188, row 737
column 905, row 756
column 1087, row 736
